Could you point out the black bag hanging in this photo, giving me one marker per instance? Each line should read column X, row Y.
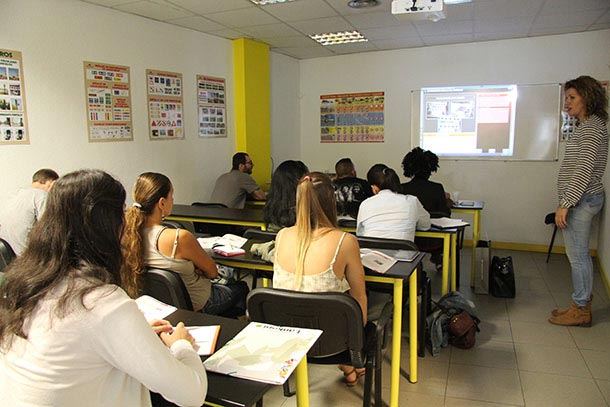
column 502, row 277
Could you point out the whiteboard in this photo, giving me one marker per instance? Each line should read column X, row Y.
column 536, row 129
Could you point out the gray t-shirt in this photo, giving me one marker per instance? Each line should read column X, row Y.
column 232, row 189
column 18, row 215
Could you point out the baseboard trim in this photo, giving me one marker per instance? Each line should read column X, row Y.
column 526, row 247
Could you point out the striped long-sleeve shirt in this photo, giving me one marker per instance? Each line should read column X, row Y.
column 584, row 162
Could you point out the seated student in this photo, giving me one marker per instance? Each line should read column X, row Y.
column 390, row 214
column 232, row 188
column 280, row 208
column 20, row 213
column 315, row 256
column 69, row 333
column 350, row 191
column 148, row 243
column 418, row 165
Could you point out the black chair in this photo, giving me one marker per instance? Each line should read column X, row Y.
column 181, row 224
column 7, row 255
column 261, row 236
column 343, row 341
column 215, row 229
column 549, row 219
column 167, row 286
column 423, row 283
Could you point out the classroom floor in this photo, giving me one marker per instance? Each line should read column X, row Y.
column 519, row 358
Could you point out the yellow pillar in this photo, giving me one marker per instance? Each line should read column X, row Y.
column 252, row 111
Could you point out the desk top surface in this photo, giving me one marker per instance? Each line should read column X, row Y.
column 222, row 389
column 466, row 204
column 250, row 215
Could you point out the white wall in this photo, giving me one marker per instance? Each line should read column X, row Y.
column 517, row 194
column 285, row 113
column 55, row 37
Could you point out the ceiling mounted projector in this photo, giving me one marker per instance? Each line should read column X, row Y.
column 418, row 10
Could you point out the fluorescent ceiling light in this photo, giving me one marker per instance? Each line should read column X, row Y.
column 342, row 37
column 267, row 2
column 457, row 1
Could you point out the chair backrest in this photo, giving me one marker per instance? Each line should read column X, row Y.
column 391, row 244
column 210, row 204
column 338, row 315
column 6, row 254
column 167, row 286
column 179, row 224
column 260, row 235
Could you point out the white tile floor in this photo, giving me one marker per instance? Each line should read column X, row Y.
column 519, row 359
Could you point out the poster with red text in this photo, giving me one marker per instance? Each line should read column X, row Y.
column 165, row 105
column 13, row 119
column 211, row 105
column 107, row 88
column 352, row 118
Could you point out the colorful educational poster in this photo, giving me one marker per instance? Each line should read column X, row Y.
column 211, row 105
column 13, row 119
column 165, row 105
column 352, row 118
column 108, row 102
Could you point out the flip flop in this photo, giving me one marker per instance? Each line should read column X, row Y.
column 358, row 372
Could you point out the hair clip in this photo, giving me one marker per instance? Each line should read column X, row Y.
column 137, row 205
column 307, row 178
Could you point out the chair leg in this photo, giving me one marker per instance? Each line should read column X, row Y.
column 424, row 310
column 287, row 391
column 368, row 380
column 378, row 364
column 548, row 255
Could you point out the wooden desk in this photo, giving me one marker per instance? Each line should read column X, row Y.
column 224, row 216
column 475, row 210
column 394, row 276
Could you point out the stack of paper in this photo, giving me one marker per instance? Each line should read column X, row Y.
column 153, row 308
column 376, row 260
column 447, row 223
column 226, row 240
column 205, row 338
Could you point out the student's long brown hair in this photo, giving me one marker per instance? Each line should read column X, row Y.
column 149, row 188
column 316, row 208
column 76, row 240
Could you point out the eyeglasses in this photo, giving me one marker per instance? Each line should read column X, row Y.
column 249, row 162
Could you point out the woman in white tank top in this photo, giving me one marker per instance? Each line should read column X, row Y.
column 315, row 256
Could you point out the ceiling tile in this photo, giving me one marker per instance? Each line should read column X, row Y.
column 605, row 18
column 304, row 53
column 154, row 9
column 352, row 47
column 371, row 20
column 534, row 32
column 229, row 34
column 109, row 3
column 444, row 27
column 322, row 25
column 496, row 9
column 197, row 23
column 569, row 6
column 212, row 6
column 459, row 11
column 447, row 39
column 396, row 43
column 290, row 42
column 496, row 36
column 387, row 33
column 505, row 25
column 301, row 10
column 270, row 30
column 582, row 18
column 243, row 17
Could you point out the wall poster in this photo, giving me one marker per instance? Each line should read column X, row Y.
column 352, row 118
column 13, row 119
column 108, row 94
column 211, row 106
column 165, row 105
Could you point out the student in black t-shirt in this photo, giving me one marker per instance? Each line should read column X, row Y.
column 350, row 191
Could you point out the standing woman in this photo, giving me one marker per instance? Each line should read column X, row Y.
column 147, row 243
column 581, row 191
column 69, row 333
column 315, row 256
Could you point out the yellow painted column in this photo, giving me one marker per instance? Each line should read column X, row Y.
column 252, row 105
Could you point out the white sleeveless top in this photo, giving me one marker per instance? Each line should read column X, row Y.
column 198, row 286
column 326, row 281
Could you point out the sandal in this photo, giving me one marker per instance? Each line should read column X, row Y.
column 357, row 372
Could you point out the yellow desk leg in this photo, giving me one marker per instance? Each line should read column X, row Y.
column 265, row 282
column 453, row 261
column 302, row 384
column 476, row 233
column 413, row 324
column 446, row 250
column 396, row 339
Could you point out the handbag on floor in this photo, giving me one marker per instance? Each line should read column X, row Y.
column 502, row 277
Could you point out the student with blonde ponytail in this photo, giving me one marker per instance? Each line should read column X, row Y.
column 147, row 243
column 315, row 256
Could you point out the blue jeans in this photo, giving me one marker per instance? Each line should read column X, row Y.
column 576, row 237
column 228, row 300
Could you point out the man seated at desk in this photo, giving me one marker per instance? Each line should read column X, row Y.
column 350, row 191
column 233, row 187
